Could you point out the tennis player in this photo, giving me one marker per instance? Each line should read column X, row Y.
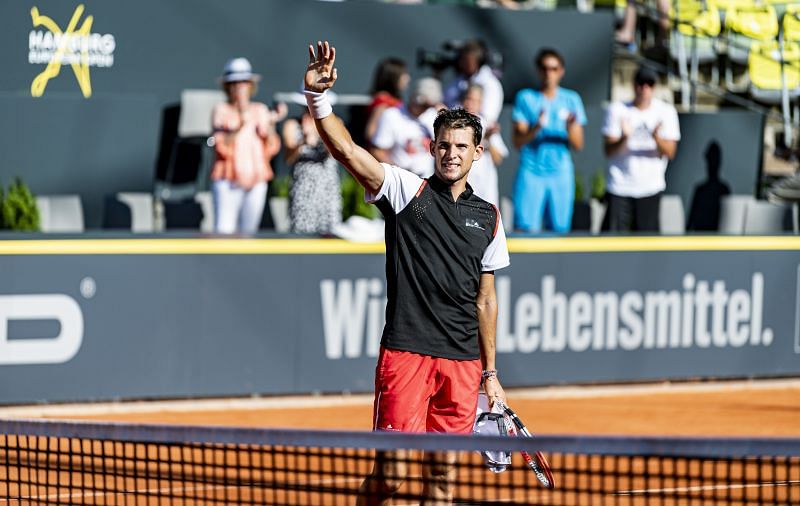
column 443, row 244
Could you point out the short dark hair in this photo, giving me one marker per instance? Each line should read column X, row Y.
column 387, row 76
column 547, row 52
column 474, row 46
column 453, row 119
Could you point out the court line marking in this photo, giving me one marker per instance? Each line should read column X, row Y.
column 162, row 490
column 327, row 401
column 702, row 488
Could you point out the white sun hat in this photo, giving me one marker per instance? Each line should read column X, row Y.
column 238, row 69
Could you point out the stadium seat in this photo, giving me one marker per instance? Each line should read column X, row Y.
column 206, row 203
column 141, row 206
column 746, row 25
column 189, row 155
column 598, row 213
column 781, row 6
column 732, row 213
column 763, row 217
column 196, row 108
column 790, row 23
column 672, row 218
column 772, row 71
column 60, row 213
column 693, row 42
column 618, row 6
column 727, row 5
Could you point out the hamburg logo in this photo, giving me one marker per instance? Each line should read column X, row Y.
column 75, row 46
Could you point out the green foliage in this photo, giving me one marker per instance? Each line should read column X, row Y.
column 598, row 184
column 279, row 187
column 353, row 200
column 18, row 209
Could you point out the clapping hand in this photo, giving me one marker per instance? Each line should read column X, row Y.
column 571, row 117
column 280, row 112
column 491, row 130
column 656, row 130
column 320, row 74
column 625, row 128
column 542, row 118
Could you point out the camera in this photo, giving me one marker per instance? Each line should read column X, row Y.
column 448, row 56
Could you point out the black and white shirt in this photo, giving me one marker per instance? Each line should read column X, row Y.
column 436, row 250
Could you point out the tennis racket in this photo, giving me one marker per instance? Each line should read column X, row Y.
column 536, row 462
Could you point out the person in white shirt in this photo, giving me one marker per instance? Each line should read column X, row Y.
column 472, row 69
column 403, row 135
column 483, row 176
column 641, row 137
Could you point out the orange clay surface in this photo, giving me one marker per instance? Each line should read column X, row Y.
column 750, row 408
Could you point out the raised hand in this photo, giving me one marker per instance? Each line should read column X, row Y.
column 320, row 74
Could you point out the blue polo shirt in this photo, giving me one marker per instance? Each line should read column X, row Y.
column 548, row 153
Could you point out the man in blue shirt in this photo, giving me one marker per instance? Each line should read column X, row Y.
column 547, row 123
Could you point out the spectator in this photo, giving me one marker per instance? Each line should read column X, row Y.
column 404, row 134
column 388, row 85
column 245, row 143
column 315, row 197
column 473, row 69
column 483, row 176
column 547, row 123
column 626, row 34
column 640, row 139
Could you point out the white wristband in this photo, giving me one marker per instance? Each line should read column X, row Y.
column 318, row 104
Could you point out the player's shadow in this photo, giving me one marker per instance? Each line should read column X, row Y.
column 707, row 197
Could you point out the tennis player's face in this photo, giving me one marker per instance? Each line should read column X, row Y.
column 453, row 152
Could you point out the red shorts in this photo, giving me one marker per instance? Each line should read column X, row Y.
column 419, row 393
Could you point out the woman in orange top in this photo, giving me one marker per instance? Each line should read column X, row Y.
column 246, row 141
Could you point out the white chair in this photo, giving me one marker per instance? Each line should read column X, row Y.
column 60, row 213
column 598, row 208
column 732, row 213
column 207, row 204
column 671, row 216
column 196, row 109
column 764, row 218
column 142, row 214
column 194, row 130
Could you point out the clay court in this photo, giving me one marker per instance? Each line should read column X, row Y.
column 749, row 408
column 723, row 408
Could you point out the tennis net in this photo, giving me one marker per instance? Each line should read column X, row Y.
column 65, row 463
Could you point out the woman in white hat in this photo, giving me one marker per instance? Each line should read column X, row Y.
column 246, row 142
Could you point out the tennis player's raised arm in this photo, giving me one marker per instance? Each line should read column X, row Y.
column 320, row 76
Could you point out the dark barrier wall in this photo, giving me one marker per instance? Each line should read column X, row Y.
column 111, row 319
column 724, row 147
column 144, row 53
